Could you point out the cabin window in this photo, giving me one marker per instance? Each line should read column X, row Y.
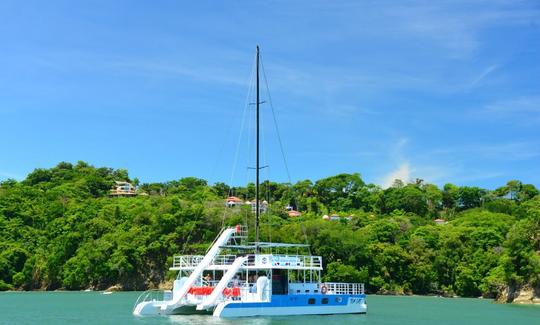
column 311, row 301
column 338, row 299
column 324, row 301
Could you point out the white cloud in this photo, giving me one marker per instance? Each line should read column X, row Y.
column 401, row 173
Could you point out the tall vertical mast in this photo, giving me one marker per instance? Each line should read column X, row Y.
column 257, row 168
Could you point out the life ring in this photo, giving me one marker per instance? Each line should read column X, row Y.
column 324, row 289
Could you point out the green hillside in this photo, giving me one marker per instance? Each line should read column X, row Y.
column 60, row 230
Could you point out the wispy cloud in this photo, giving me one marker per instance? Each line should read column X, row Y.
column 231, row 69
column 459, row 164
column 160, row 67
column 397, row 150
column 408, row 166
column 477, row 81
column 335, row 154
column 456, row 164
column 402, row 172
column 509, row 151
column 520, row 105
column 457, row 29
column 526, row 109
column 475, row 176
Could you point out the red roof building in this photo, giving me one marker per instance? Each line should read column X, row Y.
column 294, row 213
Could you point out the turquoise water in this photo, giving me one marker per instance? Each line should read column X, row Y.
column 95, row 308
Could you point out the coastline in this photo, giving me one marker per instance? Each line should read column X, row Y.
column 521, row 295
column 526, row 295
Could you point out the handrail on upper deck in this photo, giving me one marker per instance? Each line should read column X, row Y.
column 276, row 260
column 338, row 288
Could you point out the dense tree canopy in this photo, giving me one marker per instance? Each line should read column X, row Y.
column 59, row 229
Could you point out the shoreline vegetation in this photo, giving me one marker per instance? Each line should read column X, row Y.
column 60, row 230
column 525, row 297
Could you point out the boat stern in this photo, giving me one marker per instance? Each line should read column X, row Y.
column 148, row 308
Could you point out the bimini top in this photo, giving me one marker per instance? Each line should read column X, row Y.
column 249, row 246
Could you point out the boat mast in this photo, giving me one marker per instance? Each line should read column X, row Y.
column 257, row 212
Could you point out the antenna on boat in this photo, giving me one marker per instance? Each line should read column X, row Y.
column 257, row 168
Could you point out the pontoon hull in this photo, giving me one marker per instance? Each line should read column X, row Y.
column 294, row 305
column 153, row 308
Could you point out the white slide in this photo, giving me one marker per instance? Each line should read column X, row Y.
column 218, row 290
column 166, row 307
column 214, row 250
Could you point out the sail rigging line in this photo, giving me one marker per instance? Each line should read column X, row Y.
column 275, row 122
column 249, row 143
column 266, row 181
column 188, row 239
column 239, row 140
column 248, row 163
column 266, row 168
column 249, row 147
column 281, row 147
column 242, row 125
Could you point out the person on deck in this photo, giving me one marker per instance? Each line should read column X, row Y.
column 253, row 288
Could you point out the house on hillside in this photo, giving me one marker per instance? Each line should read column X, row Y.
column 233, row 201
column 336, row 217
column 122, row 189
column 293, row 213
column 263, row 206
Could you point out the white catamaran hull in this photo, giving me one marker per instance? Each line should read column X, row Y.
column 234, row 309
column 154, row 308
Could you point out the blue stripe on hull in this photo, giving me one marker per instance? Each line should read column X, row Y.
column 299, row 301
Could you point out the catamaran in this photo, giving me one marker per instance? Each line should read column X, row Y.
column 238, row 278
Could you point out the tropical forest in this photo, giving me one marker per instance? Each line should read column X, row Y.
column 60, row 229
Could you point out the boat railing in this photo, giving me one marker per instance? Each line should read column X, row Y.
column 282, row 260
column 187, row 261
column 311, row 261
column 191, row 261
column 277, row 260
column 223, row 260
column 338, row 288
column 241, row 232
column 151, row 295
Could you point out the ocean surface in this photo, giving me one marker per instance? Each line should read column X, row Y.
column 96, row 308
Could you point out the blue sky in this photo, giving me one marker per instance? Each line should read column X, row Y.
column 444, row 91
